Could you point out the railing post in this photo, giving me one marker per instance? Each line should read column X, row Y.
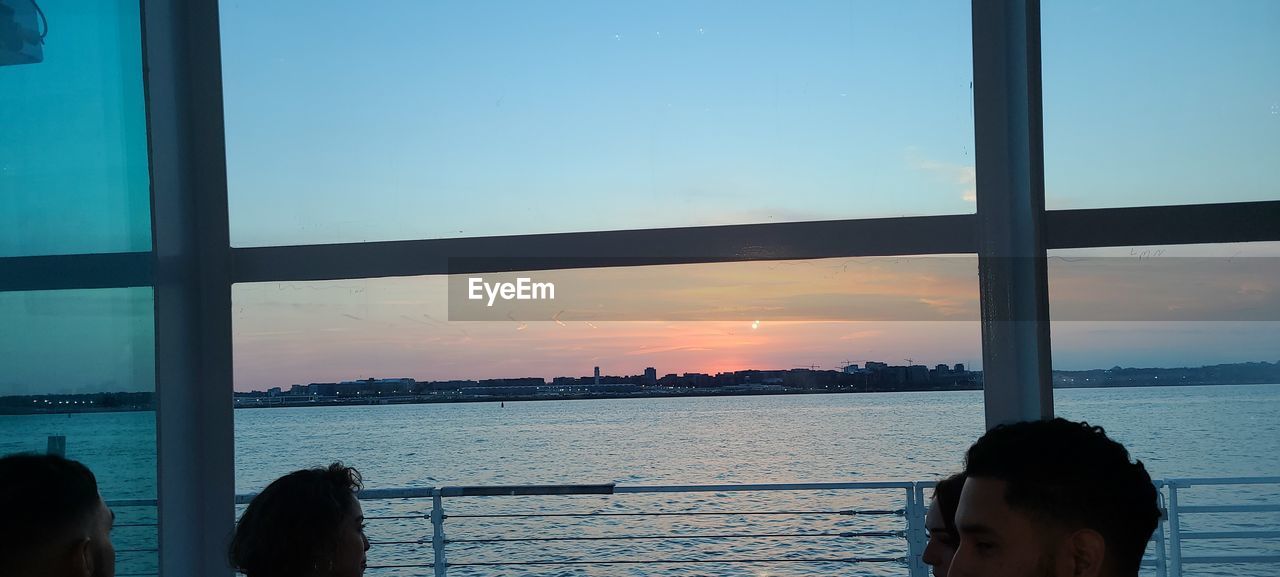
column 915, row 530
column 437, row 533
column 1175, row 540
column 57, row 446
column 1161, row 562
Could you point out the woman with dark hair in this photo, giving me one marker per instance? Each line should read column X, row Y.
column 940, row 522
column 305, row 524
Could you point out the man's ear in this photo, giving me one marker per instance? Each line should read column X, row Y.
column 82, row 558
column 1087, row 550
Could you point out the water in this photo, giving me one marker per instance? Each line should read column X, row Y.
column 1177, row 432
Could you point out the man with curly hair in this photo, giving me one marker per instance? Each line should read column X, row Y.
column 1053, row 498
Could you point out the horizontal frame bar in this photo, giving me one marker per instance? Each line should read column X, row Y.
column 1216, row 535
column 780, row 241
column 845, row 513
column 1163, row 225
column 954, row 234
column 1185, row 509
column 76, row 271
column 597, row 489
column 846, row 560
column 763, row 487
column 843, row 535
column 1193, row 481
column 1232, row 559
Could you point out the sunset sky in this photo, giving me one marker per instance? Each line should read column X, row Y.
column 1130, row 310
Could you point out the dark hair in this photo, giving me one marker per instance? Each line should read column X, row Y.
column 41, row 496
column 1071, row 474
column 947, row 494
column 293, row 524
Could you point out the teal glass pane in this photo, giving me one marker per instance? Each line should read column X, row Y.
column 73, row 141
column 464, row 119
column 1160, row 103
column 79, row 365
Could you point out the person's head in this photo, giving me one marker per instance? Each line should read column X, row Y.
column 305, row 524
column 940, row 522
column 1052, row 498
column 53, row 523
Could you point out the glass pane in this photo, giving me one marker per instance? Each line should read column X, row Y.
column 1160, row 103
column 80, row 365
column 73, row 148
column 463, row 119
column 1187, row 378
column 677, row 401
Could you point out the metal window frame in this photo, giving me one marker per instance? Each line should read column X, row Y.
column 195, row 435
column 192, row 265
column 1009, row 155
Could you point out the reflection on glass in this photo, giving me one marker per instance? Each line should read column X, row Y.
column 1177, row 360
column 73, row 147
column 682, row 318
column 1160, row 104
column 462, row 119
column 1227, row 339
column 80, row 365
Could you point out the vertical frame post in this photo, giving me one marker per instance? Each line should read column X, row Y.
column 191, row 252
column 1009, row 146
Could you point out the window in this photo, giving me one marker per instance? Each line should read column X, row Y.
column 335, row 133
column 79, row 374
column 1170, row 348
column 457, row 119
column 73, row 158
column 1160, row 104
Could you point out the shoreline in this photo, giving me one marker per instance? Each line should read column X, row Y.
column 686, row 393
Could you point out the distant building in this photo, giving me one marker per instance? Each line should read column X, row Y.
column 696, row 380
column 959, row 367
column 597, row 381
column 942, row 369
column 875, row 366
column 650, row 376
column 518, row 382
column 851, row 369
column 917, row 374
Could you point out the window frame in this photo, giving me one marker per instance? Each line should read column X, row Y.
column 192, row 265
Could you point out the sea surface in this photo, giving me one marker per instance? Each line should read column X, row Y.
column 1178, row 432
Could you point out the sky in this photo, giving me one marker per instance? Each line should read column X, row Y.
column 406, row 120
column 454, row 119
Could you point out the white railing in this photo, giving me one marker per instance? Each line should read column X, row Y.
column 1166, row 551
column 1174, row 513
